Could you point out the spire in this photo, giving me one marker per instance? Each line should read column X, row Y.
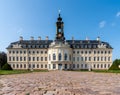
column 59, row 27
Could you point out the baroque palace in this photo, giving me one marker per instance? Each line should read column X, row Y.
column 60, row 54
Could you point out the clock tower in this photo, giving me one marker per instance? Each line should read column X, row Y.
column 59, row 29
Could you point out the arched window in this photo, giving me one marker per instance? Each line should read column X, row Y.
column 54, row 56
column 24, row 65
column 65, row 56
column 59, row 56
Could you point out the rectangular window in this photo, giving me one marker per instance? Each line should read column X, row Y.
column 73, row 58
column 13, row 52
column 24, row 52
column 97, row 58
column 20, row 58
column 89, row 58
column 17, row 52
column 45, row 58
column 54, row 66
column 24, row 58
column 9, row 52
column 20, row 52
column 37, row 58
column 85, row 58
column 77, row 52
column 101, row 58
column 41, row 52
column 29, row 58
column 81, row 58
column 17, row 59
column 105, row 58
column 9, row 58
column 77, row 58
column 41, row 58
column 13, row 58
column 45, row 65
column 45, row 52
column 94, row 58
column 33, row 58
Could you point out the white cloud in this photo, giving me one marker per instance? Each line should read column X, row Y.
column 102, row 24
column 118, row 14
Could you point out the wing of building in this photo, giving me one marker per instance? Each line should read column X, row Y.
column 60, row 54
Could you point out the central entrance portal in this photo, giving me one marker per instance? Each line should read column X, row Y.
column 59, row 66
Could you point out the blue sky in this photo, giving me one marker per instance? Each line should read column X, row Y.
column 82, row 18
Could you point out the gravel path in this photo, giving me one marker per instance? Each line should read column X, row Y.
column 60, row 83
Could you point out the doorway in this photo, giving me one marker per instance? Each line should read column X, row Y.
column 59, row 66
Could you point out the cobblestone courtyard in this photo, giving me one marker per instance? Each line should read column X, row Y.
column 60, row 83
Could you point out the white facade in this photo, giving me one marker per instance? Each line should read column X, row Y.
column 60, row 54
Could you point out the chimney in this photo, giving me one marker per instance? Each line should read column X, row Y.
column 32, row 38
column 21, row 38
column 46, row 37
column 98, row 38
column 39, row 38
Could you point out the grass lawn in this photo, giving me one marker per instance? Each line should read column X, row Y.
column 8, row 72
column 107, row 71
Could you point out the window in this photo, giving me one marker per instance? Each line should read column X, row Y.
column 94, row 52
column 20, row 58
column 85, row 52
column 108, row 58
column 24, row 58
column 54, row 66
column 41, row 65
column 97, row 65
column 20, row 52
column 13, row 58
column 85, row 58
column 20, row 65
column 37, row 58
column 97, row 58
column 45, row 65
column 81, row 65
column 77, row 65
column 24, row 52
column 73, row 65
column 73, row 58
column 24, row 65
column 17, row 66
column 105, row 58
column 77, row 58
column 81, row 52
column 109, row 52
column 81, row 58
column 104, row 65
column 54, row 57
column 65, row 56
column 45, row 58
column 85, row 65
column 98, row 52
column 73, row 52
column 17, row 52
column 29, row 52
column 9, row 52
column 77, row 52
column 94, row 58
column 33, row 58
column 13, row 65
column 65, row 66
column 37, row 65
column 37, row 52
column 13, row 52
column 101, row 52
column 41, row 58
column 33, row 52
column 101, row 58
column 29, row 58
column 89, row 52
column 105, row 52
column 94, row 65
column 33, row 65
column 45, row 52
column 89, row 58
column 41, row 52
column 59, row 56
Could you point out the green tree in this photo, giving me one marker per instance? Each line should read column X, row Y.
column 6, row 67
column 3, row 59
column 115, row 65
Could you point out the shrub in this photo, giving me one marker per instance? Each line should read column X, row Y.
column 6, row 67
column 115, row 65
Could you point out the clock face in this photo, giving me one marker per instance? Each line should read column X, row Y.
column 59, row 35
